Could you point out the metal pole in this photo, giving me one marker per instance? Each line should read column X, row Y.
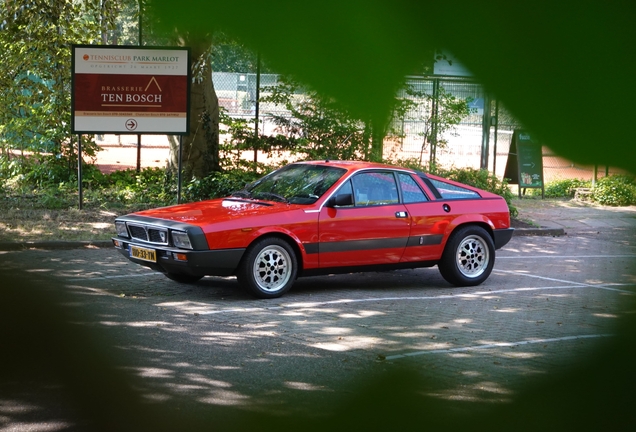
column 138, row 152
column 434, row 120
column 140, row 43
column 494, row 151
column 257, row 106
column 79, row 172
column 485, row 137
column 141, row 7
column 180, row 163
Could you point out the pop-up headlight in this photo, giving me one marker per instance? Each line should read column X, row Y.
column 181, row 240
column 122, row 231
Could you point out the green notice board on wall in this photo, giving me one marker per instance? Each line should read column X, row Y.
column 525, row 162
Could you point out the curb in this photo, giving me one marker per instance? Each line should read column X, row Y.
column 554, row 232
column 53, row 244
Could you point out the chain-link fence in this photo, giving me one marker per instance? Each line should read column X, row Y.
column 460, row 146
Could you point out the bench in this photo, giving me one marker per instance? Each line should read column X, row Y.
column 582, row 193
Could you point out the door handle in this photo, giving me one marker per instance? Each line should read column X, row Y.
column 401, row 214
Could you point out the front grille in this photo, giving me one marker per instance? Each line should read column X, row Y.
column 138, row 232
column 149, row 234
column 158, row 236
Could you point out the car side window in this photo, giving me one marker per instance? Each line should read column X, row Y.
column 450, row 191
column 374, row 188
column 411, row 191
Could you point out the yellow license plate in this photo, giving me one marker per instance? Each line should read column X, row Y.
column 143, row 254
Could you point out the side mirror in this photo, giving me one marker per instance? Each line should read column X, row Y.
column 341, row 200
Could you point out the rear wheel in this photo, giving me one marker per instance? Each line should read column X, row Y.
column 183, row 278
column 268, row 268
column 469, row 256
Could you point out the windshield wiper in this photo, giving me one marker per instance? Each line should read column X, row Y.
column 242, row 194
column 273, row 195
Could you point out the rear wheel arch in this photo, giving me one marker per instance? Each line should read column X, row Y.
column 469, row 255
column 481, row 224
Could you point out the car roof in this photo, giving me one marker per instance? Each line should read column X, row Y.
column 355, row 165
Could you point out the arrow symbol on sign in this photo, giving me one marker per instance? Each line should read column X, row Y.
column 131, row 124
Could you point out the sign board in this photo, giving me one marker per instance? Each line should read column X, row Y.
column 525, row 162
column 130, row 90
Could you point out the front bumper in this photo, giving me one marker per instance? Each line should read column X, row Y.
column 221, row 262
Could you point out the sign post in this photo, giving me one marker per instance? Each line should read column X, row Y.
column 525, row 163
column 130, row 90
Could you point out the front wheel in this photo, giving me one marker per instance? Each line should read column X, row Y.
column 268, row 268
column 469, row 256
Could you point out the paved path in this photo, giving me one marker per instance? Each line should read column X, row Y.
column 574, row 217
column 332, row 348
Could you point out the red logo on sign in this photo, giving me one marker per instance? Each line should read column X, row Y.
column 86, row 57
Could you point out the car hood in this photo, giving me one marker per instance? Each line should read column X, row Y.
column 216, row 211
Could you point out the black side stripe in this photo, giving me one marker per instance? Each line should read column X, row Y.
column 425, row 240
column 359, row 245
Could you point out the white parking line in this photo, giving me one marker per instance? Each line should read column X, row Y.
column 581, row 284
column 117, row 276
column 525, row 257
column 496, row 345
column 409, row 298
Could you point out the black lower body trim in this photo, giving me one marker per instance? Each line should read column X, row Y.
column 367, row 268
column 221, row 262
column 502, row 237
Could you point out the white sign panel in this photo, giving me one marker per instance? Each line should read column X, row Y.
column 140, row 90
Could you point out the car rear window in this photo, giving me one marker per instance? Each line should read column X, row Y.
column 451, row 191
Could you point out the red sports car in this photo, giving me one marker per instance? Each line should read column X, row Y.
column 323, row 217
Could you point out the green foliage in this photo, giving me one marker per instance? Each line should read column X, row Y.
column 562, row 188
column 439, row 113
column 150, row 186
column 241, row 138
column 35, row 62
column 316, row 127
column 228, row 55
column 218, row 184
column 35, row 77
column 615, row 190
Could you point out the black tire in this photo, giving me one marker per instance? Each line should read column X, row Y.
column 268, row 268
column 468, row 257
column 183, row 278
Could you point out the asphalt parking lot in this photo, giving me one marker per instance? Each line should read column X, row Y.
column 550, row 303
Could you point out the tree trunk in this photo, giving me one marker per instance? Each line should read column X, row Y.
column 377, row 141
column 201, row 146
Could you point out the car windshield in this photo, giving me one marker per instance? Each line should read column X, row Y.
column 296, row 184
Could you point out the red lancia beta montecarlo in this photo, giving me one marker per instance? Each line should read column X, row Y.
column 323, row 217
